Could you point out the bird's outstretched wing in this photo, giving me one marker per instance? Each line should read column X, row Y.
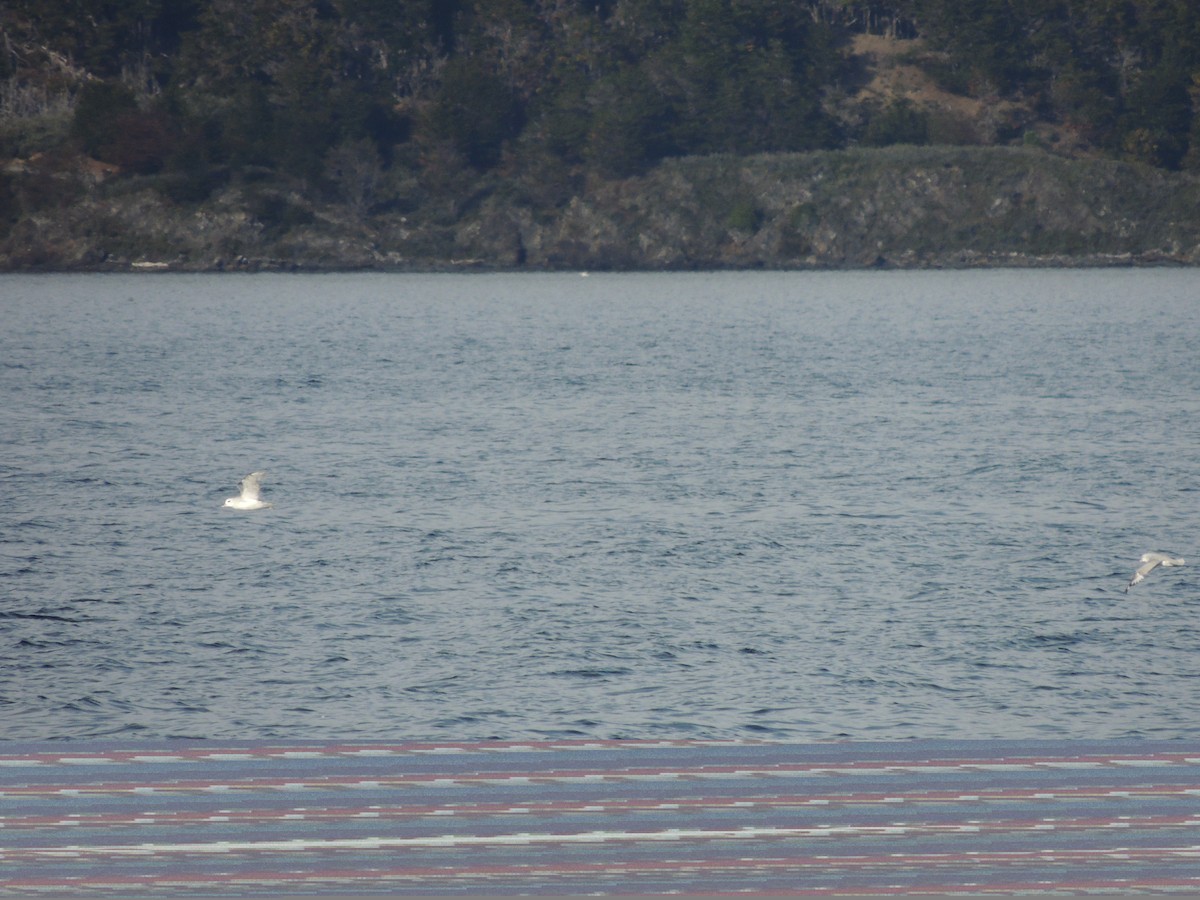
column 251, row 486
column 1142, row 571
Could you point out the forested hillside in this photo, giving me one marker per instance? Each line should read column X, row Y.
column 274, row 121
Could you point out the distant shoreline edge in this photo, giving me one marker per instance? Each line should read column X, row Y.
column 901, row 207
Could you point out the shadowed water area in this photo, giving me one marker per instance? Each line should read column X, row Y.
column 797, row 506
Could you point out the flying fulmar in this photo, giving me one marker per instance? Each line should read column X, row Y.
column 1150, row 562
column 250, row 497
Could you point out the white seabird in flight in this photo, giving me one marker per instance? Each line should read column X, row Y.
column 251, row 497
column 1150, row 562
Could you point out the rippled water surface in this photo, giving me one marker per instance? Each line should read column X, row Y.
column 793, row 506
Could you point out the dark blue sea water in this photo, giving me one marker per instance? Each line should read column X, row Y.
column 792, row 506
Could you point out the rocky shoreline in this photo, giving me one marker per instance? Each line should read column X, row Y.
column 898, row 207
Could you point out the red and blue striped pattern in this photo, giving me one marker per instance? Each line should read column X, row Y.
column 608, row 817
